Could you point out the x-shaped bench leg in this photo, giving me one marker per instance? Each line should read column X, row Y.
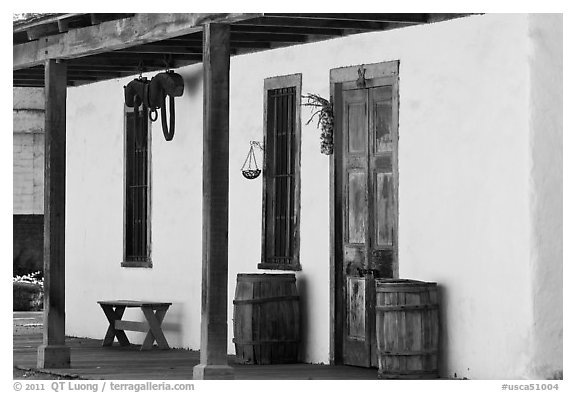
column 154, row 320
column 114, row 315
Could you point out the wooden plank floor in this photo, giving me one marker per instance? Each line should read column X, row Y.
column 90, row 360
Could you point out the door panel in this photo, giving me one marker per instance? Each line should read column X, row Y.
column 356, row 121
column 384, row 210
column 383, row 181
column 357, row 207
column 360, row 298
column 369, row 216
column 355, row 217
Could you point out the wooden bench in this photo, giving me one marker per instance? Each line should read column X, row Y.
column 154, row 313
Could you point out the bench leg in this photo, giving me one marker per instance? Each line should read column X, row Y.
column 114, row 315
column 154, row 320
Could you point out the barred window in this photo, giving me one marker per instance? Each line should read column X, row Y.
column 281, row 205
column 137, row 189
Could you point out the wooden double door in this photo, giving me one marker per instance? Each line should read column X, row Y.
column 367, row 120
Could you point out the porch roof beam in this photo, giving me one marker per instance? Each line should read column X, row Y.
column 120, row 34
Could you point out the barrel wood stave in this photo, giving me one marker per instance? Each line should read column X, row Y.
column 266, row 319
column 407, row 329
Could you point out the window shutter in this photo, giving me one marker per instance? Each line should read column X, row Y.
column 281, row 177
column 136, row 231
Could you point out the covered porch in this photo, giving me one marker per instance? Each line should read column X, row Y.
column 67, row 50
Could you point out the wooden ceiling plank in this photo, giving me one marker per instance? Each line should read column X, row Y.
column 88, row 67
column 409, row 18
column 267, row 37
column 36, row 32
column 235, row 44
column 28, row 84
column 28, row 76
column 122, row 33
column 150, row 57
column 148, row 65
column 289, row 30
column 162, row 49
column 317, row 23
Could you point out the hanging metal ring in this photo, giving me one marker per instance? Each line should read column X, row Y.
column 155, row 112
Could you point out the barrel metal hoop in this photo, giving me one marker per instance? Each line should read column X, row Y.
column 261, row 342
column 266, row 299
column 268, row 278
column 392, row 289
column 408, row 307
column 409, row 353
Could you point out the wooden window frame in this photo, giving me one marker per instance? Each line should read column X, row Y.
column 279, row 82
column 147, row 261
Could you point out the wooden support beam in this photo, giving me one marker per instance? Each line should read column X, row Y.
column 214, row 329
column 122, row 33
column 53, row 353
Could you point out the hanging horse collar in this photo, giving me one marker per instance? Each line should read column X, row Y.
column 152, row 94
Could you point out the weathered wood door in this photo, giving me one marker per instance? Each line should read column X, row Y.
column 369, row 135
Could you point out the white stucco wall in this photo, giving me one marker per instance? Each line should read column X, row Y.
column 28, row 150
column 464, row 170
column 464, row 190
column 545, row 32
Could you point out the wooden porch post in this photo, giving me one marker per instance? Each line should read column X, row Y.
column 214, row 329
column 53, row 353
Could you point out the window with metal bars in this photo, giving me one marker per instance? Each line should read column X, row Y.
column 137, row 190
column 281, row 204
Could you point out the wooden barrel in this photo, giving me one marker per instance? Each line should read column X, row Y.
column 266, row 319
column 407, row 329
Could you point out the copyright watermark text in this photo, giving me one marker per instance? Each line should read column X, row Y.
column 100, row 386
column 530, row 386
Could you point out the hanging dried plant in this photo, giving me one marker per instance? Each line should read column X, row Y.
column 325, row 121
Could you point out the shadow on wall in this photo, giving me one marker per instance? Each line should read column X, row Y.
column 303, row 293
column 192, row 80
column 173, row 324
column 443, row 333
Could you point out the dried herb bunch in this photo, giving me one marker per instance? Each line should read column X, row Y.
column 325, row 120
